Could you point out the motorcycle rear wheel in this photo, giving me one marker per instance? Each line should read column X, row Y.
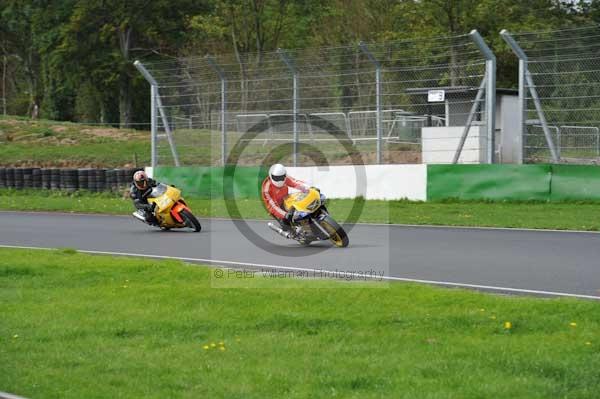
column 338, row 236
column 190, row 220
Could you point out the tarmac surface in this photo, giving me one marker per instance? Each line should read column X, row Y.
column 501, row 260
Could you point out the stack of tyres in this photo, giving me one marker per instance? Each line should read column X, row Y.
column 68, row 179
column 18, row 178
column 10, row 177
column 92, row 180
column 83, row 178
column 27, row 178
column 46, row 177
column 2, row 177
column 36, row 178
column 100, row 179
column 111, row 180
column 122, row 179
column 55, row 179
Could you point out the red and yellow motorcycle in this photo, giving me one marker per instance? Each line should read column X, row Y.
column 170, row 209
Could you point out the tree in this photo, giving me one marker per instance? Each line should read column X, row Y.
column 104, row 35
column 16, row 19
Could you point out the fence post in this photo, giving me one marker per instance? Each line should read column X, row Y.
column 490, row 101
column 157, row 104
column 153, row 90
column 365, row 50
column 153, row 146
column 470, row 118
column 525, row 81
column 211, row 61
column 290, row 64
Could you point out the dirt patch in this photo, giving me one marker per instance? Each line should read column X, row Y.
column 11, row 122
column 112, row 133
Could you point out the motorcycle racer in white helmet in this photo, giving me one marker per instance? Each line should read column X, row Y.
column 275, row 188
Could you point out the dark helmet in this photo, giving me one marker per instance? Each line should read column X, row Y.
column 140, row 179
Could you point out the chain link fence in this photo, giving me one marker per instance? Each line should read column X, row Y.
column 403, row 102
column 560, row 94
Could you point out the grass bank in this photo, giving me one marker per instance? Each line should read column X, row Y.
column 540, row 215
column 81, row 326
column 24, row 142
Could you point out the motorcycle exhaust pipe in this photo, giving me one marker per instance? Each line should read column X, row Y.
column 279, row 230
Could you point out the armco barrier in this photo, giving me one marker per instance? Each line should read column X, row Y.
column 208, row 182
column 575, row 182
column 495, row 182
column 66, row 179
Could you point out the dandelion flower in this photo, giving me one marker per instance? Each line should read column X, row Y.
column 221, row 343
column 493, row 317
column 573, row 324
column 588, row 343
column 482, row 310
column 212, row 344
column 222, row 348
column 16, row 336
column 205, row 347
column 507, row 325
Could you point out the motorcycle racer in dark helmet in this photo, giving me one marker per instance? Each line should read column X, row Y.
column 140, row 190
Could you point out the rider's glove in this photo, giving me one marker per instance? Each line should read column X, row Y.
column 289, row 215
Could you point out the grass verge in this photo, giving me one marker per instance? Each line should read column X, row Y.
column 537, row 215
column 82, row 326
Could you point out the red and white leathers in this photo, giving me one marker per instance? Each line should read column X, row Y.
column 273, row 196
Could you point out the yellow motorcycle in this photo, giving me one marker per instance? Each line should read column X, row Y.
column 170, row 209
column 311, row 220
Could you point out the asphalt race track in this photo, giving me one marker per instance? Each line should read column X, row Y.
column 505, row 260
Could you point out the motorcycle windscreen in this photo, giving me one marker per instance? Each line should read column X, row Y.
column 158, row 191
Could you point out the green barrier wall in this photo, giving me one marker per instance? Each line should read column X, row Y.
column 575, row 182
column 467, row 182
column 495, row 182
column 208, row 182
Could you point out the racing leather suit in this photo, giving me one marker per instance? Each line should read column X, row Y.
column 140, row 200
column 273, row 196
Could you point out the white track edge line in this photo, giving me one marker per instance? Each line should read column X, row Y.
column 390, row 278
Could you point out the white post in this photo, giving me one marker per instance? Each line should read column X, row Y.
column 525, row 80
column 290, row 64
column 211, row 61
column 378, row 105
column 490, row 89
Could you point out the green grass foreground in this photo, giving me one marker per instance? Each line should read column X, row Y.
column 537, row 215
column 82, row 326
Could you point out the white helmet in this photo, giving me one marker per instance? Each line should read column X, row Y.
column 277, row 174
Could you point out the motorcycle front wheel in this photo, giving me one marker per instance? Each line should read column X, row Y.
column 338, row 236
column 190, row 220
